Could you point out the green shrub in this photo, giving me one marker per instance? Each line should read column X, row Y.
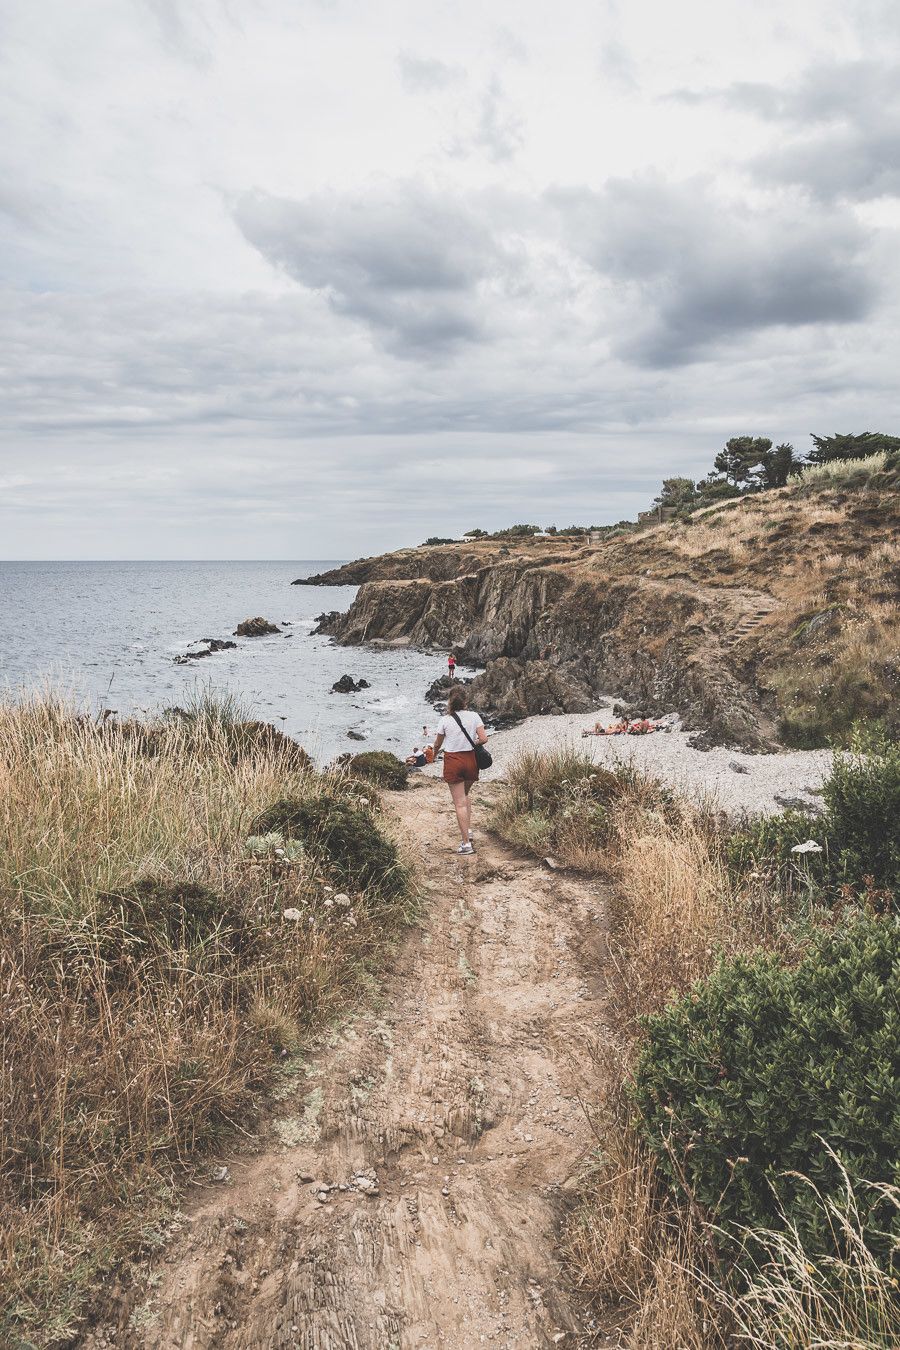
column 764, row 845
column 558, row 802
column 343, row 837
column 167, row 925
column 862, row 813
column 739, row 1083
column 380, row 767
column 858, row 832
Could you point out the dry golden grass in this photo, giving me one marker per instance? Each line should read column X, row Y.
column 127, row 1052
column 630, row 1249
column 846, row 674
column 845, row 1302
column 840, row 472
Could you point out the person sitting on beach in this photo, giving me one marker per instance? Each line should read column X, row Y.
column 419, row 758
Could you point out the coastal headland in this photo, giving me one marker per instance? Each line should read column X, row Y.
column 769, row 619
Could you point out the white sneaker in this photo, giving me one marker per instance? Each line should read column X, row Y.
column 465, row 848
column 471, row 836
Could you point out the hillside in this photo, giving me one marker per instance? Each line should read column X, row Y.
column 773, row 616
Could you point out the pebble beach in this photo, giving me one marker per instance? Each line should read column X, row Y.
column 726, row 780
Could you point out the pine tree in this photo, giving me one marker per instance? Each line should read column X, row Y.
column 740, row 457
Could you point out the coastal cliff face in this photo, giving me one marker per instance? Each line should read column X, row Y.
column 729, row 619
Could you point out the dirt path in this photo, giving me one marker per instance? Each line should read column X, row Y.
column 447, row 1124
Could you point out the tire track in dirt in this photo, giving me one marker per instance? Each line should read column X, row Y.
column 412, row 1193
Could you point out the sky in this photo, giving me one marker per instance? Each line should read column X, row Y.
column 317, row 278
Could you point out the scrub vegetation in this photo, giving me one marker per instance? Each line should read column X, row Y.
column 380, row 767
column 745, row 1188
column 183, row 901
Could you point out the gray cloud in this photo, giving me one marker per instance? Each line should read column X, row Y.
column 841, row 120
column 703, row 272
column 408, row 263
column 500, row 131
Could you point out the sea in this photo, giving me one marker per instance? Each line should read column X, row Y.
column 106, row 634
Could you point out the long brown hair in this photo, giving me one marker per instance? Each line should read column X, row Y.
column 457, row 700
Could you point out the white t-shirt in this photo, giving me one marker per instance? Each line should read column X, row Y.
column 454, row 741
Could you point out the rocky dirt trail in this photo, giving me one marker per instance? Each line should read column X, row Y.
column 411, row 1192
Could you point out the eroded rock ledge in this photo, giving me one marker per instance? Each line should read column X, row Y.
column 553, row 639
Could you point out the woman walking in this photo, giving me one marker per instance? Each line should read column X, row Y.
column 459, row 732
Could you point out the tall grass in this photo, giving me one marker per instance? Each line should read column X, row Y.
column 792, row 1298
column 150, row 982
column 559, row 802
column 844, row 472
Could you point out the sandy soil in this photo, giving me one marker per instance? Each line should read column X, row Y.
column 702, row 774
column 412, row 1186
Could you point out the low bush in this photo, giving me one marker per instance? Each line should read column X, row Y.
column 858, row 831
column 343, row 837
column 168, row 924
column 862, row 813
column 791, row 1297
column 561, row 803
column 765, row 1078
column 764, row 845
column 380, row 767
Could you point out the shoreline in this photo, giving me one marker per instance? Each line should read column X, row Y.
column 705, row 776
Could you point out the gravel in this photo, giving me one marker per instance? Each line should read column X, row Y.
column 726, row 779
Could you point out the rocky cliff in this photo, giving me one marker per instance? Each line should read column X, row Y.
column 701, row 617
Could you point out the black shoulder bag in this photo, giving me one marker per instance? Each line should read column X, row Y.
column 483, row 757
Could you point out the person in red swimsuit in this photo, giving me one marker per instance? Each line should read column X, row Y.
column 451, row 666
column 460, row 768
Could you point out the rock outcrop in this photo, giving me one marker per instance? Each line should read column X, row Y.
column 553, row 641
column 210, row 645
column 348, row 685
column 329, row 622
column 257, row 627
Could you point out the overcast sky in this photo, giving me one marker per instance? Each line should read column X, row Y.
column 311, row 278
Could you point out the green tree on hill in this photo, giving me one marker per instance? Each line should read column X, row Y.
column 677, row 492
column 712, row 488
column 516, row 531
column 740, row 457
column 848, row 446
column 777, row 466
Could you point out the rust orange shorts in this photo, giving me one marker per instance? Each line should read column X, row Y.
column 460, row 767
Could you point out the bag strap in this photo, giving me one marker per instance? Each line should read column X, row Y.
column 455, row 717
